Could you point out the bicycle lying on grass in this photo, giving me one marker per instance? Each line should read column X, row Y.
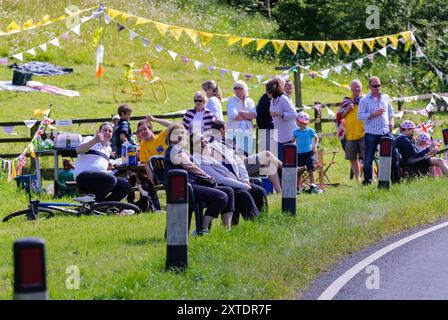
column 38, row 210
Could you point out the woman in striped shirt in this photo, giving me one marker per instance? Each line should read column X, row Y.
column 198, row 119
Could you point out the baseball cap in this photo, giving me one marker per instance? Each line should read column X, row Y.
column 117, row 117
column 303, row 117
column 407, row 124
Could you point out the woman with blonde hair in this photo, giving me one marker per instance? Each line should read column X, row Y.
column 214, row 98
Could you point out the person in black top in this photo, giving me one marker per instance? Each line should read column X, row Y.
column 264, row 119
column 418, row 161
column 123, row 132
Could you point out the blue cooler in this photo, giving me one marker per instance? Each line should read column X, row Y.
column 131, row 154
column 267, row 185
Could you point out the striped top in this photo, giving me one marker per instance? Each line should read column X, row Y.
column 378, row 125
column 207, row 120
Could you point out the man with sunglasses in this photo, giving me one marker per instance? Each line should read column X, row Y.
column 376, row 111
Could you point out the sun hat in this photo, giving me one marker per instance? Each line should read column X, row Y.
column 303, row 117
column 407, row 124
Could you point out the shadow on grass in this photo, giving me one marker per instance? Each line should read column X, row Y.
column 146, row 241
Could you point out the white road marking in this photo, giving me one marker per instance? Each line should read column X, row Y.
column 340, row 282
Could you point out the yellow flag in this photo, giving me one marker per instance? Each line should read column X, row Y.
column 261, row 43
column 141, row 21
column 382, row 41
column 28, row 24
column 293, row 46
column 13, row 26
column 192, row 34
column 359, row 44
column 38, row 112
column 334, row 46
column 44, row 20
column 176, row 32
column 346, row 45
column 205, row 37
column 246, row 41
column 278, row 45
column 58, row 19
column 31, row 149
column 97, row 35
column 370, row 43
column 232, row 40
column 113, row 13
column 394, row 40
column 407, row 46
column 320, row 46
column 162, row 28
column 406, row 35
column 13, row 173
column 307, row 46
column 124, row 17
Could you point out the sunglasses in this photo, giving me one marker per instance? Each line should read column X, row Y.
column 198, row 100
column 376, row 86
column 237, row 88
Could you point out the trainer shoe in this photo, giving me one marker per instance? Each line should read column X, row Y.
column 86, row 198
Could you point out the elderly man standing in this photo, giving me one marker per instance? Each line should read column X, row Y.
column 377, row 113
column 354, row 128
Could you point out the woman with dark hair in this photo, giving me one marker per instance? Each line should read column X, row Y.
column 92, row 168
column 283, row 113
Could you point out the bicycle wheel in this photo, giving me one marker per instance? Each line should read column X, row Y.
column 112, row 207
column 42, row 214
column 126, row 91
column 159, row 90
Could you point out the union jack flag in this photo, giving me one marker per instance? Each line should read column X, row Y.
column 425, row 127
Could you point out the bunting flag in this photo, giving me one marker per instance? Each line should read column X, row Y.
column 162, row 28
column 176, row 32
column 307, row 46
column 359, row 44
column 232, row 40
column 172, row 54
column 370, row 43
column 293, row 46
column 30, row 123
column 320, row 46
column 8, row 129
column 346, row 46
column 235, row 75
column 334, row 46
column 246, row 41
column 205, row 37
column 192, row 34
column 278, row 45
column 4, row 61
column 261, row 43
column 382, row 41
column 359, row 62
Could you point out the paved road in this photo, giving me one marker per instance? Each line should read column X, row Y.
column 418, row 269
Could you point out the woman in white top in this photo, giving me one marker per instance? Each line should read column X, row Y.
column 214, row 98
column 241, row 111
column 92, row 167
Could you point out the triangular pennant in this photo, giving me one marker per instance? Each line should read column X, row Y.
column 223, row 72
column 197, row 64
column 301, row 77
column 8, row 129
column 278, row 45
column 312, row 74
column 325, row 73
column 4, row 61
column 348, row 66
column 162, row 28
column 113, row 13
column 405, row 35
column 399, row 115
column 346, row 45
column 55, row 42
column 120, row 27
column 18, row 56
column 371, row 57
column 192, row 34
column 145, row 42
column 205, row 37
column 13, row 26
column 370, row 43
column 211, row 68
column 107, row 18
column 185, row 59
column 307, row 46
column 31, row 51
column 232, row 40
column 30, row 123
column 382, row 41
column 419, row 53
column 338, row 69
column 246, row 41
column 176, row 32
column 383, row 52
column 261, row 43
column 99, row 72
column 248, row 76
column 44, row 20
column 235, row 75
column 85, row 19
column 293, row 46
column 28, row 24
column 394, row 40
column 31, row 149
column 64, row 36
column 124, row 17
column 158, row 48
column 259, row 78
column 334, row 46
column 330, row 112
column 132, row 35
column 320, row 46
column 440, row 74
column 77, row 29
column 43, row 47
column 407, row 46
column 359, row 44
column 141, row 21
column 172, row 54
column 359, row 62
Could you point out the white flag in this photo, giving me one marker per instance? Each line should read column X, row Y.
column 77, row 29
column 55, row 42
column 32, row 51
column 145, row 42
column 43, row 47
column 330, row 112
column 359, row 62
column 172, row 54
column 107, row 19
column 325, row 73
column 399, row 115
column 259, row 78
column 431, row 107
column 419, row 53
column 383, row 52
column 197, row 64
column 371, row 57
column 18, row 56
column 440, row 74
column 338, row 69
column 445, row 99
column 301, row 77
column 348, row 66
column 84, row 19
column 29, row 123
column 235, row 75
column 132, row 35
column 99, row 56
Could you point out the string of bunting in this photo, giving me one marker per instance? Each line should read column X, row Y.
column 420, row 54
column 14, row 27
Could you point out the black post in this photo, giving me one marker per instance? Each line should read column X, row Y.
column 317, row 117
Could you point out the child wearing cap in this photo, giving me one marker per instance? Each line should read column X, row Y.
column 423, row 142
column 306, row 141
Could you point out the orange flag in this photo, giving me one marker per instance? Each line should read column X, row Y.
column 99, row 72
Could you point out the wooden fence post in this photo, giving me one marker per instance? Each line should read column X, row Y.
column 317, row 117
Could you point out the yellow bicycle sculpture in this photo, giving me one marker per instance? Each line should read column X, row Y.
column 129, row 86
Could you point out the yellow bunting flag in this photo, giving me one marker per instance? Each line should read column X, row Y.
column 13, row 173
column 359, row 44
column 334, row 46
column 58, row 19
column 31, row 149
column 13, row 26
column 232, row 40
column 261, row 43
column 205, row 37
column 141, row 21
column 278, row 45
column 407, row 46
column 320, row 46
column 113, row 13
column 246, row 41
column 382, row 41
column 38, row 112
column 192, row 34
column 97, row 35
column 124, row 17
column 28, row 24
column 44, row 20
column 406, row 35
column 162, row 28
column 370, row 43
column 346, row 46
column 394, row 40
column 293, row 46
column 307, row 46
column 176, row 32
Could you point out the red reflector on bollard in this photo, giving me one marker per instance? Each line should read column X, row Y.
column 445, row 136
column 31, row 273
column 289, row 155
column 385, row 147
column 178, row 188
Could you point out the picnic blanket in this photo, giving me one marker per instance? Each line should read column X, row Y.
column 39, row 68
column 32, row 86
